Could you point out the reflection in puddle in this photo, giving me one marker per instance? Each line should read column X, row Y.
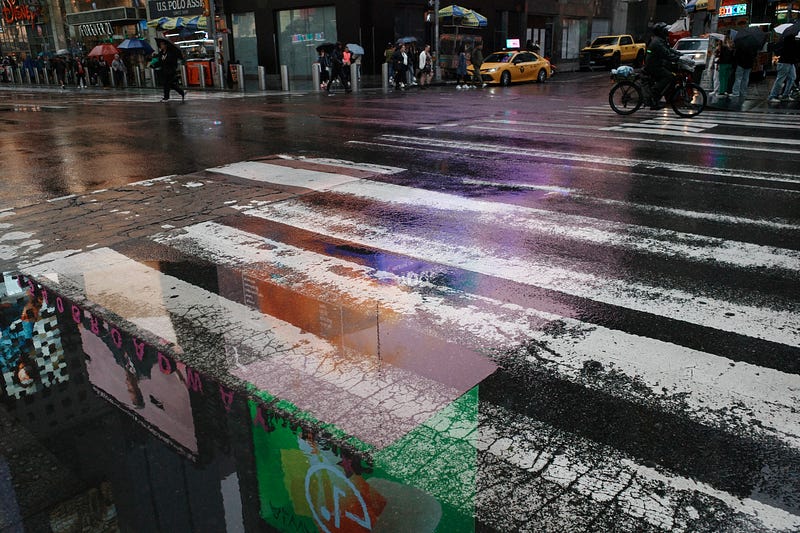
column 254, row 459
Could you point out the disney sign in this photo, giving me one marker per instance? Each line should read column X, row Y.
column 13, row 12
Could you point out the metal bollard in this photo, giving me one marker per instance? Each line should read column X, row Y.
column 385, row 76
column 19, row 76
column 137, row 75
column 315, row 76
column 183, row 75
column 125, row 79
column 284, row 78
column 240, row 76
column 354, row 84
column 262, row 78
column 201, row 71
column 152, row 77
column 46, row 77
column 221, row 76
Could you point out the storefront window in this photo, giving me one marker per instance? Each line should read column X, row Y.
column 300, row 31
column 245, row 42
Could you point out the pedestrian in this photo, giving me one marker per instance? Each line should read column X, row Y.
column 725, row 60
column 80, row 73
column 477, row 61
column 461, row 68
column 168, row 56
column 324, row 69
column 425, row 67
column 788, row 51
column 60, row 68
column 387, row 54
column 118, row 70
column 337, row 69
column 400, row 60
column 103, row 72
column 744, row 57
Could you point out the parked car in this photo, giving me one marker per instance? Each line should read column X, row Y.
column 611, row 51
column 510, row 66
column 697, row 49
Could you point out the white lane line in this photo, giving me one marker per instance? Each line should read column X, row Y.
column 696, row 143
column 656, row 496
column 283, row 175
column 548, row 223
column 712, row 136
column 367, row 167
column 709, row 383
column 627, row 163
column 666, row 128
column 782, row 326
column 569, row 192
column 372, row 400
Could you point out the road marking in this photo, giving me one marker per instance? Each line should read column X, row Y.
column 709, row 382
column 539, row 221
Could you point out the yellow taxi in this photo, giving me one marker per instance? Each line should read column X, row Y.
column 510, row 66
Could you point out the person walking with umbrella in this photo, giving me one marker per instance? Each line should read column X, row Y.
column 788, row 51
column 748, row 42
column 168, row 56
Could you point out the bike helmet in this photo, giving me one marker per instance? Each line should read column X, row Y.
column 661, row 29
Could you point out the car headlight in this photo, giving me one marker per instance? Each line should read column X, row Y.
column 489, row 71
column 698, row 56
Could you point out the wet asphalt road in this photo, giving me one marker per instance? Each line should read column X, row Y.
column 539, row 315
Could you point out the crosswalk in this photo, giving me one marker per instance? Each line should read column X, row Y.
column 634, row 371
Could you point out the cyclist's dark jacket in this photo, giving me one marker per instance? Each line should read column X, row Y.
column 659, row 55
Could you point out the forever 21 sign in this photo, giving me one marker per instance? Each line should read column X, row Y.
column 175, row 8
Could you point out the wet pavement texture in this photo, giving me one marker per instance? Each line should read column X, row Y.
column 505, row 309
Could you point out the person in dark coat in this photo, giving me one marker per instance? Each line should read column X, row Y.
column 658, row 60
column 788, row 51
column 168, row 57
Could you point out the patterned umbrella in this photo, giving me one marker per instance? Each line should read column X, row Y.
column 461, row 16
column 473, row 19
column 452, row 11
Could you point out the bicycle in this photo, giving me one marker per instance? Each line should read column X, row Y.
column 633, row 89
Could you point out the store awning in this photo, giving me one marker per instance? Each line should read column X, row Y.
column 173, row 23
column 117, row 15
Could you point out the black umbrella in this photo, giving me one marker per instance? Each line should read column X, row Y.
column 169, row 44
column 328, row 47
column 792, row 31
column 750, row 39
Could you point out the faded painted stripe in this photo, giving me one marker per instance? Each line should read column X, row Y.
column 710, row 384
column 595, row 159
column 656, row 496
column 366, row 167
column 549, row 223
column 283, row 175
column 759, row 322
column 694, row 142
column 568, row 192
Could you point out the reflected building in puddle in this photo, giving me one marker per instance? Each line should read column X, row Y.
column 256, row 406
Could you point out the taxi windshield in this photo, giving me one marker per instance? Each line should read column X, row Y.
column 499, row 57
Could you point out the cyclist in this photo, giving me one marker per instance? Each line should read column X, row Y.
column 658, row 60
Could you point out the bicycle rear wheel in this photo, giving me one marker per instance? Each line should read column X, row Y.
column 625, row 97
column 689, row 100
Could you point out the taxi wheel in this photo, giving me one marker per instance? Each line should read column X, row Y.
column 505, row 79
column 542, row 76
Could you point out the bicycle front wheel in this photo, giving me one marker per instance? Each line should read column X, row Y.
column 689, row 100
column 625, row 97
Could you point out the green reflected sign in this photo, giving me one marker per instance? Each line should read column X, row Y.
column 424, row 482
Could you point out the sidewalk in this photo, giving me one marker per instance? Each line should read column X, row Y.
column 754, row 102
